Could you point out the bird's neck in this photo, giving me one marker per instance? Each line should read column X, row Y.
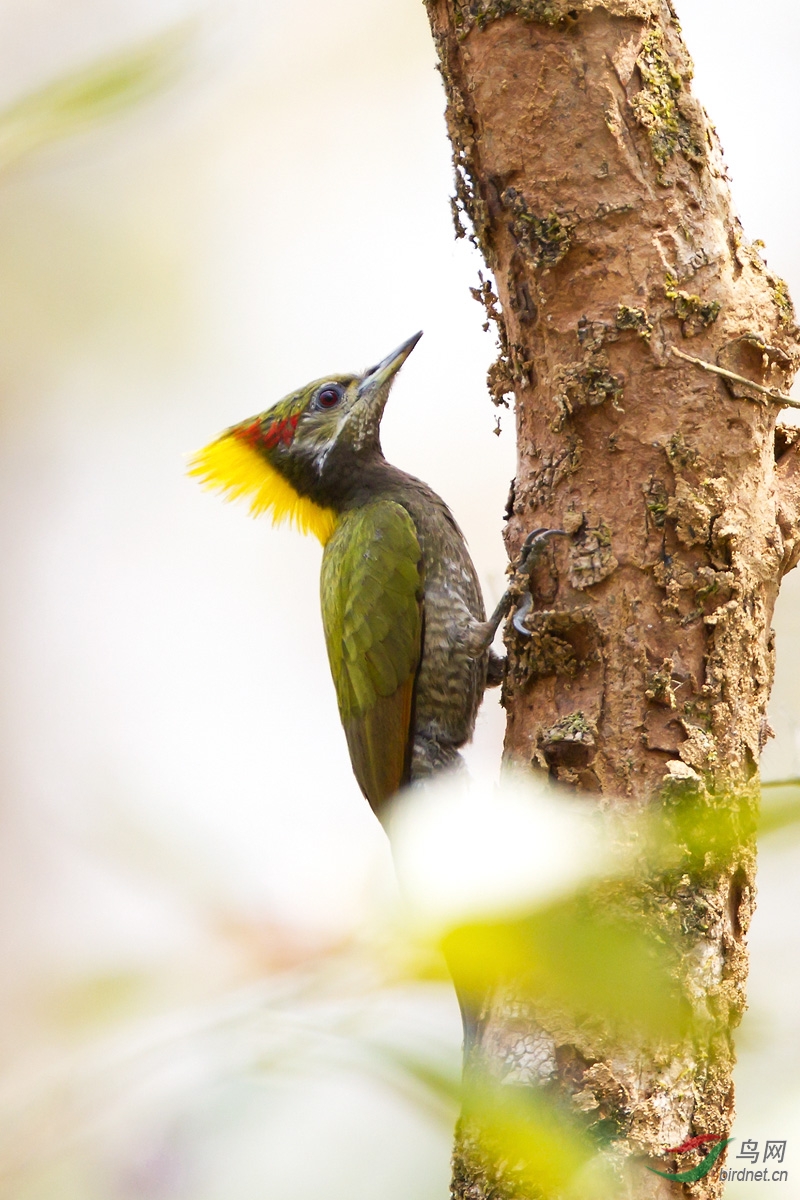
column 352, row 480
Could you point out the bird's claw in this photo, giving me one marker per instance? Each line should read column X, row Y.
column 531, row 548
column 533, row 544
column 521, row 613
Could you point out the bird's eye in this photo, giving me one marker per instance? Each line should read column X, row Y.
column 329, row 397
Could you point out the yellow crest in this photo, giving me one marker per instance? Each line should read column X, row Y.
column 234, row 467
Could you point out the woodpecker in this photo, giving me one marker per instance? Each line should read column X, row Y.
column 406, row 632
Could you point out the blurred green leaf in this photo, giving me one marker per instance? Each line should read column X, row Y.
column 780, row 808
column 543, row 1148
column 578, row 955
column 548, row 1149
column 707, row 832
column 698, row 833
column 91, row 94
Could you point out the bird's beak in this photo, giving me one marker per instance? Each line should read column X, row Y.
column 376, row 378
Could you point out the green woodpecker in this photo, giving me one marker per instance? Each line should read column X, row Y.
column 405, row 627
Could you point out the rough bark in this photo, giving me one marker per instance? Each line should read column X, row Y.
column 593, row 183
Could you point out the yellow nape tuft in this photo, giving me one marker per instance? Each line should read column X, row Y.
column 237, row 469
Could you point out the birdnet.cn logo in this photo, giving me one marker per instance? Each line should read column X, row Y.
column 710, row 1147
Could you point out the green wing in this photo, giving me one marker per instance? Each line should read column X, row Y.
column 371, row 589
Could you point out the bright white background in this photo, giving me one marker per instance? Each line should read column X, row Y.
column 177, row 810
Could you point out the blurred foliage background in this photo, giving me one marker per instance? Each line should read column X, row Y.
column 205, row 989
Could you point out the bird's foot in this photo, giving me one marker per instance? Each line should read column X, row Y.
column 482, row 635
column 529, row 555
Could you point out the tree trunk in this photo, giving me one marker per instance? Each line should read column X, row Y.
column 593, row 184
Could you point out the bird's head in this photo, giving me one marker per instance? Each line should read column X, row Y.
column 299, row 459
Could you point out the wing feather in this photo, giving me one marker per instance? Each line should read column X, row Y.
column 371, row 588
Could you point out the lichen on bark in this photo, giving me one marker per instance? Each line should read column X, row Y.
column 596, row 192
column 660, row 103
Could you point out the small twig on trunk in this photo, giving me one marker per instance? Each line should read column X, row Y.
column 773, row 393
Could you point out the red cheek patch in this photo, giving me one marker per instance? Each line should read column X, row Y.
column 273, row 434
column 250, row 433
column 281, row 430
